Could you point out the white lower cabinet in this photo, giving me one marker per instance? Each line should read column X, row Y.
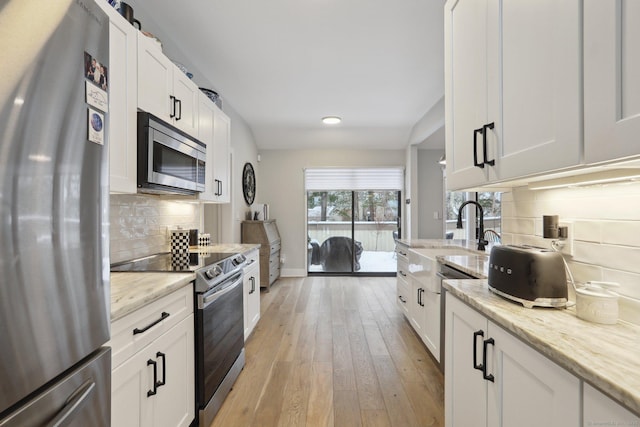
column 156, row 385
column 403, row 291
column 402, row 279
column 251, row 299
column 494, row 379
column 599, row 410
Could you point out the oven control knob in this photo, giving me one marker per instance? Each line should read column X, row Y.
column 212, row 273
column 239, row 260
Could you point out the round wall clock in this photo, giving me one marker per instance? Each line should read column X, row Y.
column 248, row 183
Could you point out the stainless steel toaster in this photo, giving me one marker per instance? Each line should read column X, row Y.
column 529, row 275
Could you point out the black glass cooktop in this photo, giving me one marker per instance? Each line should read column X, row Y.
column 167, row 262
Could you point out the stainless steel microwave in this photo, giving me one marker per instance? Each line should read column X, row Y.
column 169, row 160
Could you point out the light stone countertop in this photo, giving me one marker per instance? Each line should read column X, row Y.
column 133, row 290
column 447, row 244
column 606, row 356
column 474, row 265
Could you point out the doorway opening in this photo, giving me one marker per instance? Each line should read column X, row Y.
column 353, row 220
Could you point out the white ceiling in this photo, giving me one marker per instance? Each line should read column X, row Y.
column 285, row 64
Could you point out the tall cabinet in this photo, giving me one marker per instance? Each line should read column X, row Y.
column 266, row 234
column 123, row 96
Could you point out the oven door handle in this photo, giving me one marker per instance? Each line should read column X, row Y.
column 208, row 300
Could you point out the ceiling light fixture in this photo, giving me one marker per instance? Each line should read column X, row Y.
column 331, row 120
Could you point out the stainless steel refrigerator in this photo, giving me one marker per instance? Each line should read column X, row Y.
column 54, row 265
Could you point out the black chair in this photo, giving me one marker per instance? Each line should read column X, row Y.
column 336, row 253
column 491, row 236
column 315, row 252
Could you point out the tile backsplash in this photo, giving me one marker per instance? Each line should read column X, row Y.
column 605, row 222
column 139, row 224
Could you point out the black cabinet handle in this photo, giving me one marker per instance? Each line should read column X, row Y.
column 404, row 301
column 485, row 130
column 163, row 316
column 477, row 334
column 488, row 377
column 155, row 377
column 173, row 106
column 253, row 285
column 179, row 116
column 475, row 148
column 402, row 273
column 164, row 369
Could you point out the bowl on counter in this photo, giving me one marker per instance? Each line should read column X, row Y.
column 596, row 302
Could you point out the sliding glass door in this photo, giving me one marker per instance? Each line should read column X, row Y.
column 352, row 231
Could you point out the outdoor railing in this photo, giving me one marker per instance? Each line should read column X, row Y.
column 374, row 235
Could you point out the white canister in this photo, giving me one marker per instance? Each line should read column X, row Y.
column 596, row 303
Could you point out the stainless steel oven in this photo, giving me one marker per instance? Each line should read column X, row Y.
column 169, row 161
column 219, row 345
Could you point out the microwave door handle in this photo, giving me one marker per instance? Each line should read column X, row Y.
column 182, row 147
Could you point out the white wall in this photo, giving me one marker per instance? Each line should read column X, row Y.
column 429, row 200
column 243, row 150
column 281, row 184
column 410, row 211
column 606, row 230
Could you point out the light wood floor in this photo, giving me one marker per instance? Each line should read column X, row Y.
column 334, row 351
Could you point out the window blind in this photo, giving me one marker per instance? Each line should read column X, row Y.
column 335, row 179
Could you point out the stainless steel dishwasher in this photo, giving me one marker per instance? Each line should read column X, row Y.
column 446, row 272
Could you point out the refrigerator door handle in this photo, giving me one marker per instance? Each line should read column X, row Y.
column 73, row 404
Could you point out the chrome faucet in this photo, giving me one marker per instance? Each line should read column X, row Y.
column 481, row 240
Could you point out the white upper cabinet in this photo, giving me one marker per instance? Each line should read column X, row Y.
column 512, row 89
column 123, row 93
column 214, row 130
column 611, row 79
column 221, row 155
column 466, row 91
column 164, row 90
column 205, row 134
